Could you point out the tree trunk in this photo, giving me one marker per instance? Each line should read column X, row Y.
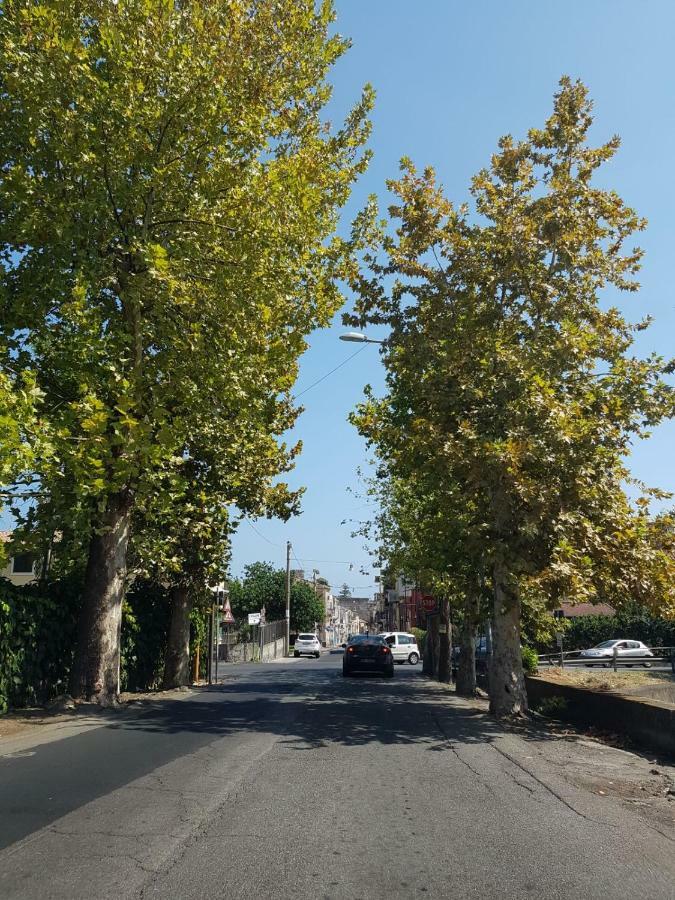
column 96, row 674
column 507, row 683
column 444, row 643
column 177, row 661
column 466, row 664
column 431, row 647
column 427, row 659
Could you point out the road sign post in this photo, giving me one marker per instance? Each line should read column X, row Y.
column 559, row 636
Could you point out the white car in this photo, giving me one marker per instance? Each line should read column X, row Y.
column 604, row 653
column 307, row 645
column 403, row 647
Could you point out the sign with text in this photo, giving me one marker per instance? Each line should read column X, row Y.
column 428, row 603
column 254, row 618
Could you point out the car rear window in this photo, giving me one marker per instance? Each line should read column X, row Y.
column 305, row 637
column 360, row 638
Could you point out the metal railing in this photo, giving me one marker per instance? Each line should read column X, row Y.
column 660, row 655
column 250, row 644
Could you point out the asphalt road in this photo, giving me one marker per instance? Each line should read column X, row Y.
column 289, row 781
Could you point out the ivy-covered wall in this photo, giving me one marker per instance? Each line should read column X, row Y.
column 38, row 633
column 37, row 640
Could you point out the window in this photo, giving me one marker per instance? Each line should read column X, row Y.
column 404, row 639
column 391, row 640
column 22, row 564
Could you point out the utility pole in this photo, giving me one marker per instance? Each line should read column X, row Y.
column 288, row 597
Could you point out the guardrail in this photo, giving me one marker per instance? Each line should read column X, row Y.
column 659, row 655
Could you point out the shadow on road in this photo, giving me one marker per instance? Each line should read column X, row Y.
column 308, row 710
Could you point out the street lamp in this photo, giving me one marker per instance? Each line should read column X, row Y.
column 357, row 337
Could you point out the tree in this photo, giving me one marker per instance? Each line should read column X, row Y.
column 525, row 393
column 345, row 592
column 169, row 192
column 263, row 585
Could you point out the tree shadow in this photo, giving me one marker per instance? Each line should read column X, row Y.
column 307, row 711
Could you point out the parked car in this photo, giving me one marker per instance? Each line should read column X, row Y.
column 481, row 654
column 367, row 653
column 307, row 645
column 603, row 653
column 403, row 647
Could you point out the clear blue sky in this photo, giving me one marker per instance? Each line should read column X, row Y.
column 451, row 77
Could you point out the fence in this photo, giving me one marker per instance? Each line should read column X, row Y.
column 257, row 643
column 573, row 658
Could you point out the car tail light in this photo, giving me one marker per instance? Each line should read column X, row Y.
column 350, row 649
column 386, row 650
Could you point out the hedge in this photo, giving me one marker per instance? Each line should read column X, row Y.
column 587, row 631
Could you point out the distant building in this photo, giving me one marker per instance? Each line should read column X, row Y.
column 361, row 607
column 20, row 569
column 578, row 610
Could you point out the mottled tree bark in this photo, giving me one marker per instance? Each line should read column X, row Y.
column 177, row 660
column 96, row 673
column 444, row 643
column 466, row 664
column 508, row 696
column 431, row 648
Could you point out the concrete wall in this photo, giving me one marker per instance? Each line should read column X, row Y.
column 240, row 653
column 274, row 650
column 648, row 722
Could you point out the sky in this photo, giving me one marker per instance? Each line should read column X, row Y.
column 451, row 77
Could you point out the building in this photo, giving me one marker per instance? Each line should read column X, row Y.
column 20, row 568
column 579, row 610
column 361, row 608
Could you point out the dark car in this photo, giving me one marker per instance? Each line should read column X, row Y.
column 367, row 653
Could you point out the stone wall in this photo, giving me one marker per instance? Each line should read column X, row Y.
column 648, row 722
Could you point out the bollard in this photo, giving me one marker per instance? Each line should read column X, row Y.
column 615, row 654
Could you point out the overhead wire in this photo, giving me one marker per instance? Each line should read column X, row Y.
column 328, row 374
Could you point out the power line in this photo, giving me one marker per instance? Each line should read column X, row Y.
column 260, row 535
column 323, row 377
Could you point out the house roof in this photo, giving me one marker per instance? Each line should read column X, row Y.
column 575, row 610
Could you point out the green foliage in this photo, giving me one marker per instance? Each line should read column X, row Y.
column 421, row 637
column 552, row 707
column 145, row 626
column 170, row 192
column 514, row 386
column 37, row 639
column 587, row 631
column 530, row 660
column 263, row 585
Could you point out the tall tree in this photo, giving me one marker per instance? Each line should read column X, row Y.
column 263, row 585
column 169, row 189
column 505, row 372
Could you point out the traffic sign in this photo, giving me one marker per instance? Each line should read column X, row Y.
column 428, row 603
column 254, row 618
column 228, row 618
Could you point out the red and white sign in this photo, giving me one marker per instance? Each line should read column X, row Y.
column 429, row 603
column 227, row 618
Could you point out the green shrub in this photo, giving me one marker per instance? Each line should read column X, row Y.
column 421, row 637
column 587, row 631
column 530, row 660
column 553, row 707
column 38, row 626
column 145, row 626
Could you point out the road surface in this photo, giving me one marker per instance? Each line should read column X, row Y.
column 288, row 781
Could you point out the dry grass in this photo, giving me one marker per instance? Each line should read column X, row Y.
column 603, row 681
